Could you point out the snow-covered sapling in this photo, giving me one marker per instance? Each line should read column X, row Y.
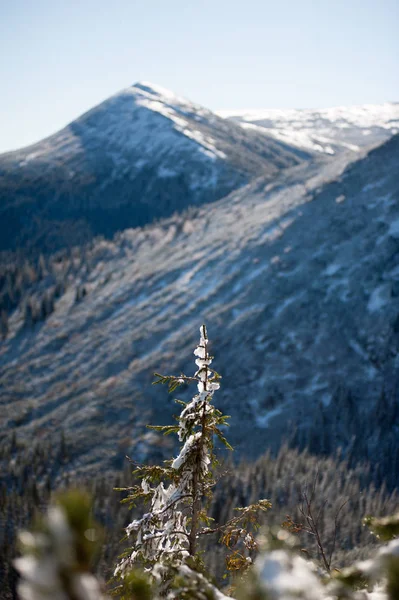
column 167, row 534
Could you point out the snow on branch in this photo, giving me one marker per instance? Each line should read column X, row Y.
column 169, row 528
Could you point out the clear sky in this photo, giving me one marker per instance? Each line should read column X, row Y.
column 58, row 58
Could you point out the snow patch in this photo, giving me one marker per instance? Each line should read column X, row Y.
column 167, row 104
column 323, row 130
column 286, row 303
column 166, row 173
column 379, row 298
column 263, row 420
column 358, row 349
column 332, row 269
column 393, row 230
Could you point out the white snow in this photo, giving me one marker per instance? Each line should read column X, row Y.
column 374, row 184
column 331, row 269
column 167, row 104
column 316, row 384
column 358, row 349
column 366, row 116
column 139, row 164
column 286, row 576
column 249, row 276
column 29, row 157
column 394, row 274
column 287, row 302
column 190, row 442
column 322, row 130
column 379, row 298
column 165, row 172
column 393, row 230
column 144, row 125
column 263, row 420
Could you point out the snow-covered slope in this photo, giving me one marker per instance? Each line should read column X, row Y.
column 140, row 155
column 328, row 130
column 297, row 280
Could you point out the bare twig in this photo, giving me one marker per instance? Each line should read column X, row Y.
column 336, row 528
column 311, row 525
column 314, row 530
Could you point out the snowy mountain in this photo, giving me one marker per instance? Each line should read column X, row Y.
column 327, row 131
column 140, row 155
column 298, row 282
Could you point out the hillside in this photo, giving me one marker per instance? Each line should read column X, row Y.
column 140, row 155
column 297, row 280
column 325, row 131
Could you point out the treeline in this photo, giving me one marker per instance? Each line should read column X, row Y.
column 31, row 473
column 33, row 285
column 365, row 433
column 33, row 282
column 283, row 479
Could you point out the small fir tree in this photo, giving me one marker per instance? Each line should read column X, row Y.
column 3, row 324
column 166, row 536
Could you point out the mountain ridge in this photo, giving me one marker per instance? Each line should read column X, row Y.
column 138, row 156
column 327, row 130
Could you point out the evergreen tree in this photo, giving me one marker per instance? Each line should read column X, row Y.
column 166, row 536
column 3, row 324
column 29, row 313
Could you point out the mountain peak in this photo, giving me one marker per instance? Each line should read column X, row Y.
column 145, row 152
column 154, row 90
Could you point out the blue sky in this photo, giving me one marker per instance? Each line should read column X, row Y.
column 61, row 57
